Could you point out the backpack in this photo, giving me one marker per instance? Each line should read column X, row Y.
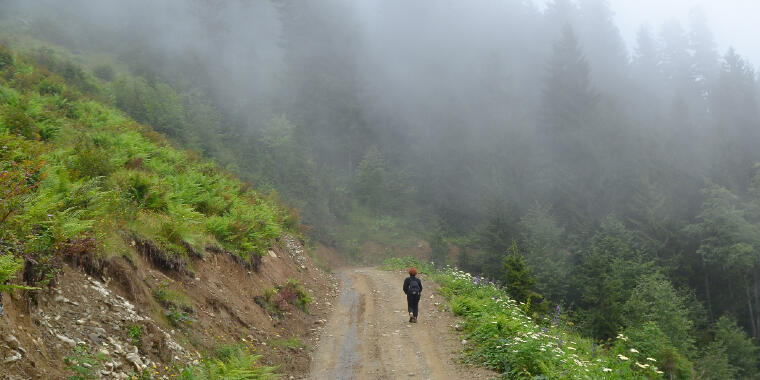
column 414, row 287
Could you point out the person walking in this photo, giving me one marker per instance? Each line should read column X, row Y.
column 413, row 290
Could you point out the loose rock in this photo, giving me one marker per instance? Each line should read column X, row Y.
column 13, row 357
column 135, row 360
column 67, row 340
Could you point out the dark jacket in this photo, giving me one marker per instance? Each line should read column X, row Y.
column 408, row 280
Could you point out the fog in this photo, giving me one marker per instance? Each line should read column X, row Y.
column 733, row 22
column 466, row 102
column 596, row 137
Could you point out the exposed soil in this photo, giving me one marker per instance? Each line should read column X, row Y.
column 99, row 311
column 355, row 328
column 368, row 335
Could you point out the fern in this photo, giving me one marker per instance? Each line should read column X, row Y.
column 9, row 266
column 240, row 365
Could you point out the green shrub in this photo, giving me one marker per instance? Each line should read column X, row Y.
column 19, row 122
column 105, row 72
column 236, row 364
column 178, row 318
column 297, row 294
column 90, row 160
column 276, row 301
column 9, row 266
column 246, row 228
column 146, row 191
column 84, row 363
column 50, row 87
column 6, row 59
column 9, row 96
column 135, row 333
column 171, row 298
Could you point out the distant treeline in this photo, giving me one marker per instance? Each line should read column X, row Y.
column 626, row 176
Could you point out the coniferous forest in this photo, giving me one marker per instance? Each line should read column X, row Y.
column 619, row 181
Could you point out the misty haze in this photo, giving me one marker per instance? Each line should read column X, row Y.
column 243, row 182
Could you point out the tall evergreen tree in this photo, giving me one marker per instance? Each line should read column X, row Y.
column 568, row 105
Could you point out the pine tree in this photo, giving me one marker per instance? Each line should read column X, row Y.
column 542, row 239
column 565, row 131
column 517, row 276
column 603, row 45
column 735, row 117
column 705, row 56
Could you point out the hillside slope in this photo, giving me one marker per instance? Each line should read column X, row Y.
column 123, row 256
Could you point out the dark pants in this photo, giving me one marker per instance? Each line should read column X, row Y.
column 413, row 302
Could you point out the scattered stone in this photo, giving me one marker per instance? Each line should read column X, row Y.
column 464, row 341
column 67, row 340
column 12, row 341
column 13, row 357
column 94, row 339
column 135, row 360
column 60, row 298
column 100, row 331
column 458, row 327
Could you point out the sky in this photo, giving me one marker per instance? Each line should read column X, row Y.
column 733, row 22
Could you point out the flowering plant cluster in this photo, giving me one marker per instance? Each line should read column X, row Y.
column 501, row 336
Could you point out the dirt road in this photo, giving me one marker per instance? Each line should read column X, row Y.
column 368, row 335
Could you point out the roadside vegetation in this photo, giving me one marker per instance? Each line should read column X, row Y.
column 233, row 362
column 278, row 300
column 501, row 334
column 80, row 182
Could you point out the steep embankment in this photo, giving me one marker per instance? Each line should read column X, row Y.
column 115, row 324
column 139, row 259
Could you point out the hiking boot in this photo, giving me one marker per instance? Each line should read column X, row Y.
column 414, row 320
column 411, row 319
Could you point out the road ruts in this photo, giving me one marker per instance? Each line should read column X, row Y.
column 368, row 335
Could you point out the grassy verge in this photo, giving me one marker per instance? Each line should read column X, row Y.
column 502, row 337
